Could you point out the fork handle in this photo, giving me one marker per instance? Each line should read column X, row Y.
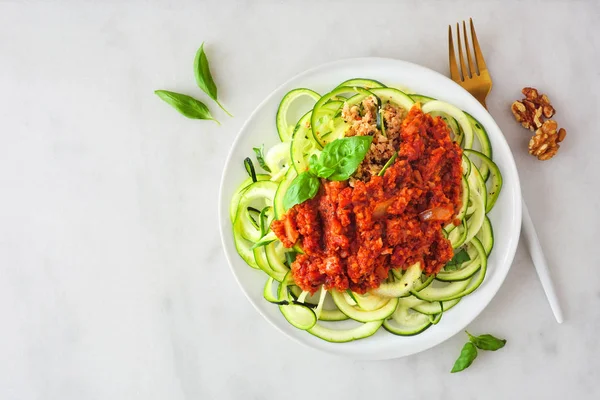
column 539, row 261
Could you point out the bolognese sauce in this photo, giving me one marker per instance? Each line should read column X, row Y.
column 353, row 232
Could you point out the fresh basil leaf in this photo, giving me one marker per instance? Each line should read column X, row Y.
column 204, row 78
column 450, row 267
column 459, row 258
column 487, row 342
column 250, row 168
column 304, row 187
column 343, row 156
column 186, row 105
column 466, row 357
column 260, row 157
column 318, row 169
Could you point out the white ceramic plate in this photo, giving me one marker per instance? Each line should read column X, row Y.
column 505, row 217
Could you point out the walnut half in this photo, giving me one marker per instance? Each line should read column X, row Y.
column 545, row 143
column 526, row 113
column 530, row 110
column 538, row 101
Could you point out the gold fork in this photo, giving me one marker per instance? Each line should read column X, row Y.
column 477, row 81
column 476, row 78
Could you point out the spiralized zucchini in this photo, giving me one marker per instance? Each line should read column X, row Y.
column 408, row 302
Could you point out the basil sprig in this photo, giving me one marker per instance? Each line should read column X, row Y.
column 186, row 105
column 337, row 162
column 487, row 342
column 467, row 355
column 469, row 350
column 304, row 187
column 340, row 158
column 204, row 78
column 189, row 106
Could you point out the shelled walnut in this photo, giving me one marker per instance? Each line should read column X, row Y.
column 532, row 112
column 529, row 111
column 545, row 143
column 526, row 113
column 538, row 101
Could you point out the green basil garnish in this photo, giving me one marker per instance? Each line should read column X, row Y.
column 204, row 78
column 459, row 258
column 340, row 158
column 466, row 357
column 318, row 169
column 469, row 350
column 487, row 342
column 304, row 187
column 260, row 157
column 337, row 162
column 186, row 105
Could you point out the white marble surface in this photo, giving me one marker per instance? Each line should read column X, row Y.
column 113, row 284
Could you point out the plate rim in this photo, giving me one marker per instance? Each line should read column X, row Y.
column 223, row 212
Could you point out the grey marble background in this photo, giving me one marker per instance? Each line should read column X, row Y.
column 113, row 284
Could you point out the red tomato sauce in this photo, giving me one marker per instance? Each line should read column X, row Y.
column 353, row 236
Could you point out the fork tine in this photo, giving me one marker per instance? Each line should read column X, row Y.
column 472, row 70
column 454, row 72
column 478, row 54
column 463, row 67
